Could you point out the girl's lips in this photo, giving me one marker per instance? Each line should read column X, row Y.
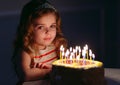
column 47, row 38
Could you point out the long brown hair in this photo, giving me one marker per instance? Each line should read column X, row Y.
column 24, row 34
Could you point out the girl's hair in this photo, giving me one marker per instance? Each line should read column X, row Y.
column 24, row 35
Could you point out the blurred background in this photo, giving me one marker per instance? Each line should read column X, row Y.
column 92, row 22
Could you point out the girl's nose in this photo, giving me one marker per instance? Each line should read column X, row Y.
column 47, row 30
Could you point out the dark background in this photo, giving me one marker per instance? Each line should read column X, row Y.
column 92, row 22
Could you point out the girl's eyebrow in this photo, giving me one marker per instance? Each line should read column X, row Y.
column 53, row 23
column 35, row 24
column 43, row 24
column 39, row 24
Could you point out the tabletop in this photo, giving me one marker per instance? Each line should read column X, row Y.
column 112, row 76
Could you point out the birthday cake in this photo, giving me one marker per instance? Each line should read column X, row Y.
column 76, row 67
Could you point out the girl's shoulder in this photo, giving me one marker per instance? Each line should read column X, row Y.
column 49, row 48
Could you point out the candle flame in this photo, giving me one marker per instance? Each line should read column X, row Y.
column 79, row 49
column 90, row 52
column 74, row 50
column 86, row 47
column 61, row 47
column 83, row 53
column 63, row 53
column 67, row 53
column 70, row 49
column 93, row 56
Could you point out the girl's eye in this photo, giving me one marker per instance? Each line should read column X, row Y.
column 40, row 27
column 53, row 26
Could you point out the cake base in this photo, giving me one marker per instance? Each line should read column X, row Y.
column 74, row 76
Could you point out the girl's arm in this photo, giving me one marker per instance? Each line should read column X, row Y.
column 32, row 73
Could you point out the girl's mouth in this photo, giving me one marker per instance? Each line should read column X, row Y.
column 47, row 39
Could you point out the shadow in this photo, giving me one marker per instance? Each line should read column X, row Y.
column 112, row 81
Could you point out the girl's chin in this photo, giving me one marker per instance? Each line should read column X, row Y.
column 46, row 44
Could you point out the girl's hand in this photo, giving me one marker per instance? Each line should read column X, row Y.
column 44, row 66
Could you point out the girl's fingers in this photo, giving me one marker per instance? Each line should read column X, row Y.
column 34, row 65
column 39, row 65
column 47, row 66
column 43, row 65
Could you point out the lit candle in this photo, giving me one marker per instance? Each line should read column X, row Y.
column 61, row 49
column 77, row 58
column 93, row 56
column 63, row 55
column 66, row 54
column 70, row 49
column 71, row 57
column 71, row 54
column 83, row 54
column 86, row 50
column 90, row 54
column 76, row 50
column 79, row 51
column 74, row 54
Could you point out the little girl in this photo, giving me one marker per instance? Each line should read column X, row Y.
column 37, row 42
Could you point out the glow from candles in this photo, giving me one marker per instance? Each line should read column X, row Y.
column 76, row 54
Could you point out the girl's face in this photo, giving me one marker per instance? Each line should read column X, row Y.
column 45, row 30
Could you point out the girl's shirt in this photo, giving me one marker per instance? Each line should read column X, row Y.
column 47, row 56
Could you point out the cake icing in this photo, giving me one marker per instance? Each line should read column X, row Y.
column 78, row 63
